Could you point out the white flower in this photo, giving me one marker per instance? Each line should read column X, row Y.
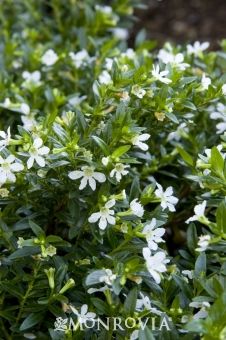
column 105, row 215
column 49, row 58
column 153, row 236
column 5, row 138
column 125, row 96
column 176, row 135
column 130, row 54
column 167, row 198
column 119, row 171
column 136, row 208
column 84, row 315
column 204, row 305
column 224, row 89
column 105, row 161
column 95, row 290
column 103, row 9
column 25, row 108
column 220, row 113
column 120, row 33
column 197, row 48
column 199, row 210
column 108, row 278
column 108, row 63
column 205, row 82
column 155, row 264
column 145, row 303
column 20, row 242
column 161, row 76
column 88, row 176
column 7, row 102
column 80, row 58
column 139, row 139
column 7, row 168
column 138, row 91
column 36, row 152
column 174, row 60
column 188, row 273
column 203, row 242
column 105, row 78
column 32, row 77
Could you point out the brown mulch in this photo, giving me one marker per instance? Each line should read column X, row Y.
column 183, row 21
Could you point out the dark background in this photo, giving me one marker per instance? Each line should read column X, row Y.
column 183, row 21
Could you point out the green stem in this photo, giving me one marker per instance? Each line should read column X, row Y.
column 29, row 289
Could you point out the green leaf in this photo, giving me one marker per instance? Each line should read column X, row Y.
column 217, row 162
column 172, row 117
column 25, row 251
column 130, row 302
column 192, row 238
column 102, row 145
column 186, row 157
column 120, row 151
column 39, row 232
column 31, row 320
column 188, row 104
column 221, row 217
column 146, row 334
column 200, row 266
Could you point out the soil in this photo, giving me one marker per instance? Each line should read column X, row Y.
column 183, row 21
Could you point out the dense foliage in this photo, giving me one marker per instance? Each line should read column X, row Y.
column 113, row 177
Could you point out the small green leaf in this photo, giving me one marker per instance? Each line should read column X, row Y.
column 31, row 320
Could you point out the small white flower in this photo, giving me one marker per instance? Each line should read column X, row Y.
column 36, row 152
column 119, row 171
column 224, row 89
column 130, row 54
column 105, row 161
column 20, row 242
column 125, row 96
column 197, row 48
column 7, row 102
column 95, row 290
column 136, row 208
column 105, row 215
column 174, row 60
column 139, row 139
column 108, row 278
column 80, row 58
column 49, row 58
column 204, row 305
column 25, row 108
column 32, row 77
column 199, row 210
column 153, row 236
column 188, row 273
column 83, row 315
column 108, row 63
column 155, row 264
column 105, row 78
column 203, row 242
column 205, row 82
column 161, row 76
column 7, row 168
column 145, row 303
column 5, row 138
column 220, row 113
column 88, row 176
column 167, row 198
column 103, row 9
column 120, row 33
column 138, row 91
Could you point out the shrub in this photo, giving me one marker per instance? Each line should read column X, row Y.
column 106, row 150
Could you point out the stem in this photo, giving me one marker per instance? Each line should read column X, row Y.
column 7, row 336
column 29, row 289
